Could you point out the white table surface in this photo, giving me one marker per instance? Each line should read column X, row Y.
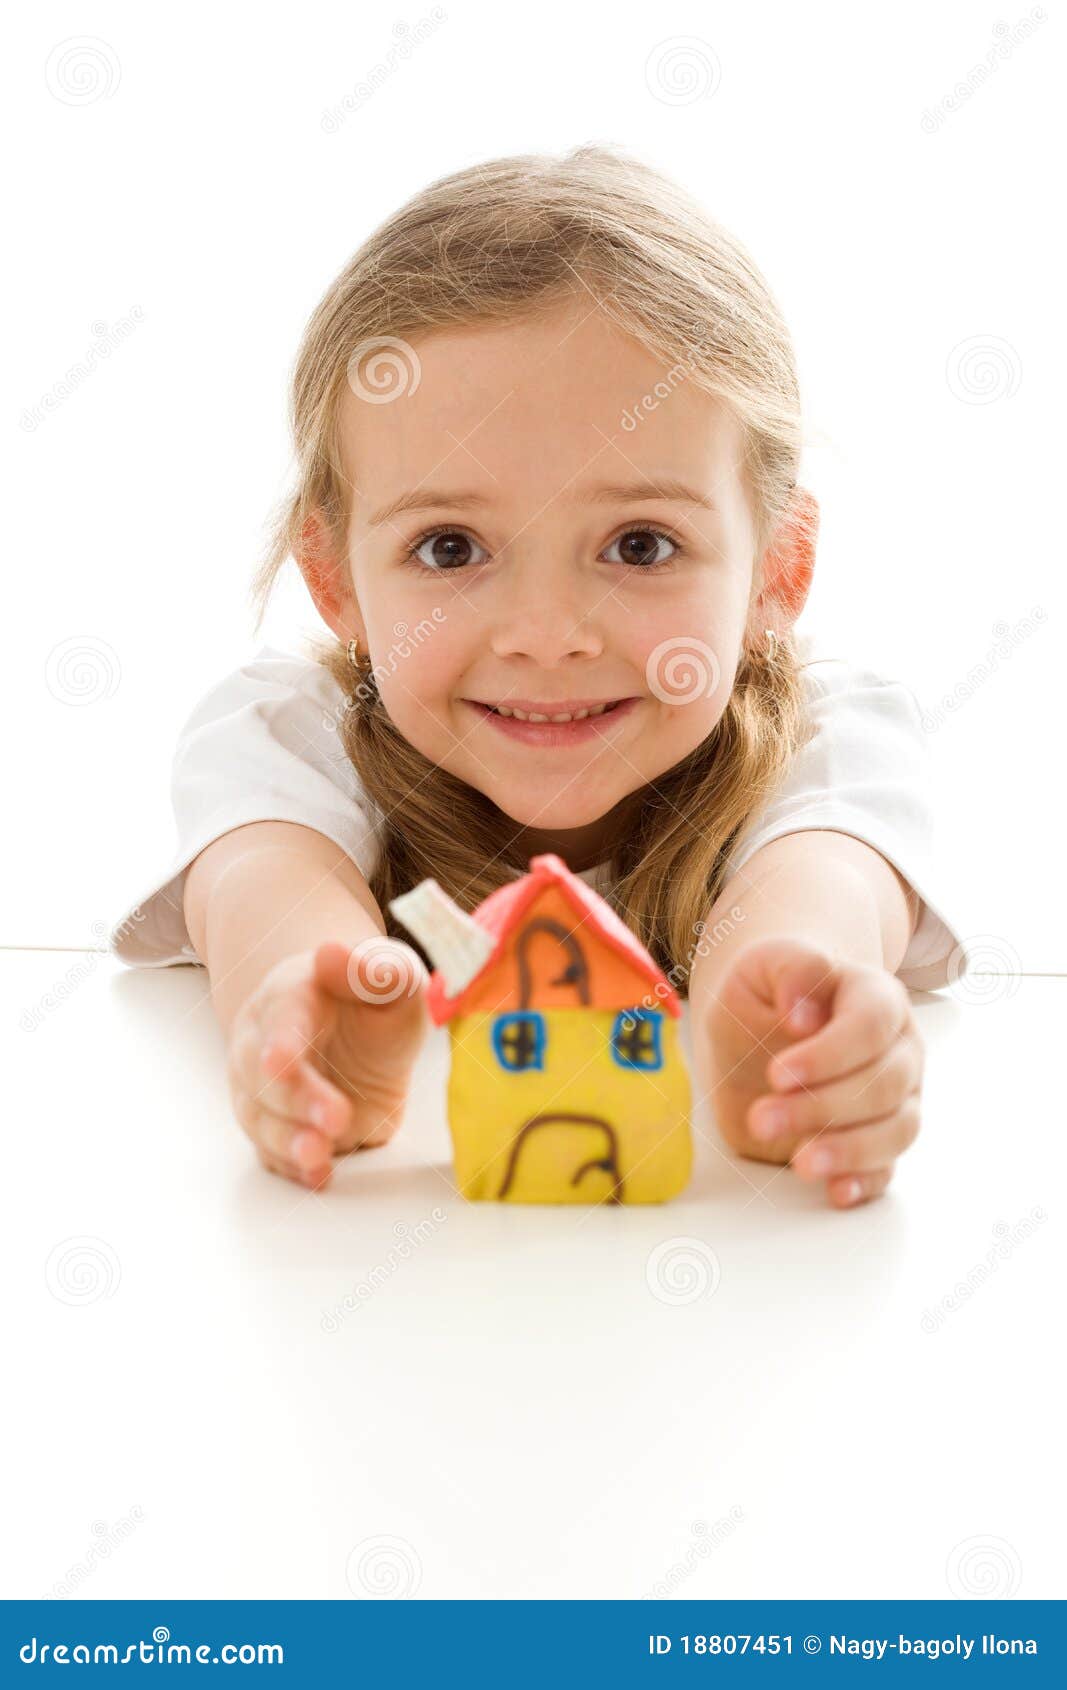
column 514, row 1404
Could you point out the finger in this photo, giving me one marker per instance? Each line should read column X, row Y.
column 870, row 1009
column 308, row 1151
column 289, row 1170
column 292, row 1023
column 858, row 1150
column 866, row 1095
column 301, row 1093
column 274, row 1066
column 803, row 986
column 847, row 1192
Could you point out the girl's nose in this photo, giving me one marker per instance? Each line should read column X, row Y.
column 541, row 614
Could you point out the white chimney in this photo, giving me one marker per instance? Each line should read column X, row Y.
column 458, row 946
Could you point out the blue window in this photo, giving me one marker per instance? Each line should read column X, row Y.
column 636, row 1038
column 519, row 1040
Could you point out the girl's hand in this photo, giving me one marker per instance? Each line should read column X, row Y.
column 818, row 1064
column 321, row 1054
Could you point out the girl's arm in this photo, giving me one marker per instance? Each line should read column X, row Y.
column 266, row 892
column 821, row 918
column 817, row 885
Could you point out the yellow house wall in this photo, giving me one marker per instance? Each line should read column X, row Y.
column 649, row 1109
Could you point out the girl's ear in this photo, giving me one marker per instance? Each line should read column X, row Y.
column 326, row 576
column 789, row 561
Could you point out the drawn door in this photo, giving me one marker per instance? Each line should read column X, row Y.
column 560, row 1157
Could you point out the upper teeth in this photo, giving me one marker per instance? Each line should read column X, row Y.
column 564, row 716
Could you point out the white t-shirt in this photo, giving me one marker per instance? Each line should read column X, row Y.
column 264, row 745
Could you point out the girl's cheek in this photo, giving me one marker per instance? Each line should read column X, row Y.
column 688, row 670
column 424, row 680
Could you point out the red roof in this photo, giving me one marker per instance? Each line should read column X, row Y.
column 501, row 912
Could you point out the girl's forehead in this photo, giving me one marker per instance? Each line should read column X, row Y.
column 547, row 396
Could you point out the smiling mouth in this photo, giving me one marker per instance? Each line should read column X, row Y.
column 577, row 714
column 584, row 724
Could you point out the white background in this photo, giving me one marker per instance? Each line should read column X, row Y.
column 199, row 196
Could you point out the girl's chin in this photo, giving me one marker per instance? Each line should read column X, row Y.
column 545, row 818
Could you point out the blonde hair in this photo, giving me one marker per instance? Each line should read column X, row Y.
column 494, row 242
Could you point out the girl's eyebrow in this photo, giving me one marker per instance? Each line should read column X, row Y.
column 630, row 492
column 426, row 499
column 664, row 487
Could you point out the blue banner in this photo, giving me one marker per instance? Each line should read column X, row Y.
column 531, row 1643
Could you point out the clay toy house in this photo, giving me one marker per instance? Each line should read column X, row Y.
column 567, row 1081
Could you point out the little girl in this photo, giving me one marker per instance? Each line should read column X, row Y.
column 547, row 430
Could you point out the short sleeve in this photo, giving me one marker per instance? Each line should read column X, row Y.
column 866, row 772
column 263, row 745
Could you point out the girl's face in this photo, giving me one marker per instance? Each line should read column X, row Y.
column 548, row 521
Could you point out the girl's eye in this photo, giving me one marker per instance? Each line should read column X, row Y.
column 445, row 548
column 641, row 548
column 453, row 548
